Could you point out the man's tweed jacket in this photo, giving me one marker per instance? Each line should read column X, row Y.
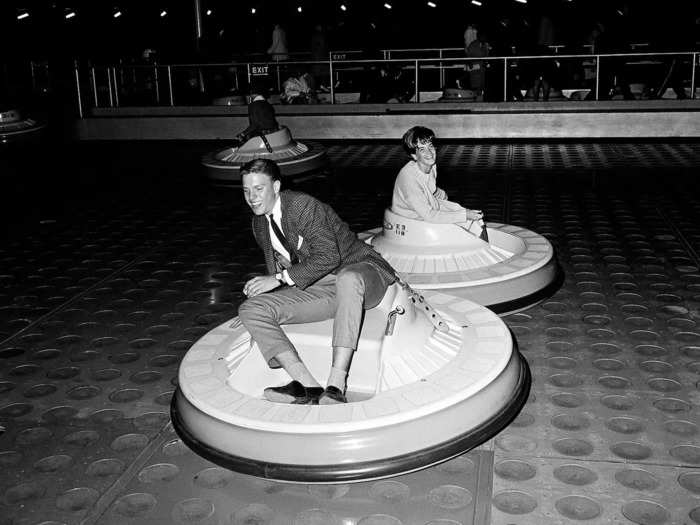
column 321, row 240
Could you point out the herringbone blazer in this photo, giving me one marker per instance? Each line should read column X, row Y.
column 321, row 240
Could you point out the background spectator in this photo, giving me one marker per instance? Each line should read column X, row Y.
column 470, row 35
column 278, row 50
column 319, row 52
column 542, row 70
column 477, row 68
column 299, row 88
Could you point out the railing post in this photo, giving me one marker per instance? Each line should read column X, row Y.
column 416, row 82
column 93, row 80
column 442, row 72
column 156, row 83
column 109, row 85
column 597, row 77
column 170, row 86
column 31, row 69
column 505, row 79
column 77, row 89
column 692, row 76
column 332, row 80
column 279, row 82
column 116, row 86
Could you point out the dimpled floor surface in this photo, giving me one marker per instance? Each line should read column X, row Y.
column 117, row 257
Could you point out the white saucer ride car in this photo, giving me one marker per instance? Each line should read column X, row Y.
column 434, row 376
column 14, row 127
column 513, row 270
column 291, row 156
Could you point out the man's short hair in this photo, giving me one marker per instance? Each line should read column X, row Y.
column 415, row 136
column 266, row 166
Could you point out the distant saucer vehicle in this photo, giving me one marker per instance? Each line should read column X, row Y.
column 515, row 269
column 426, row 385
column 14, row 127
column 457, row 95
column 229, row 100
column 291, row 156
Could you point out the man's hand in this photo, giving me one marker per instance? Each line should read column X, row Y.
column 261, row 284
column 475, row 215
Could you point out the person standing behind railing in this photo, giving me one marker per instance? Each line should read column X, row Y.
column 477, row 68
column 319, row 53
column 505, row 42
column 591, row 44
column 470, row 35
column 543, row 69
column 278, row 50
column 620, row 33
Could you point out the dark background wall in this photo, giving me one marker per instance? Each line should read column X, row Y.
column 232, row 30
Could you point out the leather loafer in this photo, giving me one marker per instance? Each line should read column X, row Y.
column 293, row 393
column 332, row 396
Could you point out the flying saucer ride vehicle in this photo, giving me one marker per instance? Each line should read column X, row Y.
column 513, row 270
column 14, row 127
column 426, row 385
column 293, row 157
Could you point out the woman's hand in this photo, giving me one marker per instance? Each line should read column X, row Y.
column 475, row 215
column 261, row 284
column 440, row 194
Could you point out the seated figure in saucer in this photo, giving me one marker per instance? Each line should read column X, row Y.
column 416, row 195
column 261, row 119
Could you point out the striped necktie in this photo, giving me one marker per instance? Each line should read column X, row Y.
column 283, row 240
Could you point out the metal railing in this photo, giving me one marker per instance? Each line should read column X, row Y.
column 441, row 52
column 198, row 83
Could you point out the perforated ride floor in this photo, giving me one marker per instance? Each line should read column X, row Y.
column 109, row 276
column 524, row 156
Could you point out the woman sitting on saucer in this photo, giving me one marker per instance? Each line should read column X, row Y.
column 416, row 195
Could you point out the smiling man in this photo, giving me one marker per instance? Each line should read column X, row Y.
column 317, row 269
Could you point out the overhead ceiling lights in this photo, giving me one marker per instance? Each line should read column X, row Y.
column 23, row 15
column 163, row 13
column 209, row 12
column 521, row 1
column 69, row 13
column 117, row 13
column 253, row 10
column 476, row 2
column 299, row 10
column 432, row 4
column 343, row 8
column 387, row 5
